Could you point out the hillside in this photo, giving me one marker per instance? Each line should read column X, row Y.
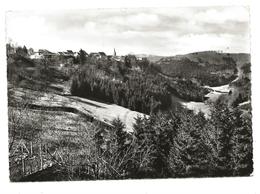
column 213, row 57
column 208, row 68
column 152, row 58
column 50, row 88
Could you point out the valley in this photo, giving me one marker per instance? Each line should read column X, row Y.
column 86, row 110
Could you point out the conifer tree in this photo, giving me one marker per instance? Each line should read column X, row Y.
column 242, row 152
column 188, row 154
column 120, row 134
column 223, row 122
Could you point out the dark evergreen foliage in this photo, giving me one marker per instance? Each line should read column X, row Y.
column 181, row 144
column 138, row 91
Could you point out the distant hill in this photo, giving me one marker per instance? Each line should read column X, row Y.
column 208, row 67
column 152, row 58
column 211, row 57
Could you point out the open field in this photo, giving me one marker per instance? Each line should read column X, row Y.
column 100, row 111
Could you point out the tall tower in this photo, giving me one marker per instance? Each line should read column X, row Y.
column 114, row 52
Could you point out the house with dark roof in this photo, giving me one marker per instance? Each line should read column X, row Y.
column 98, row 55
column 68, row 53
column 102, row 54
column 43, row 53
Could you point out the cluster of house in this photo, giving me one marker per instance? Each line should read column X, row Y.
column 65, row 57
column 43, row 53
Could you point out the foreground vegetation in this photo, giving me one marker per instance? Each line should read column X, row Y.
column 174, row 144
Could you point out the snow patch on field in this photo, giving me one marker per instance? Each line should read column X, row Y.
column 100, row 111
column 225, row 88
column 213, row 95
column 197, row 107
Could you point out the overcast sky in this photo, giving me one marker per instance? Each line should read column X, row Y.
column 149, row 31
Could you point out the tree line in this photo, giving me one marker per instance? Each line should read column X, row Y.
column 134, row 84
column 138, row 91
column 187, row 90
column 206, row 74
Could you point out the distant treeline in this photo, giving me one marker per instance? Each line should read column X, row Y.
column 141, row 92
column 136, row 85
column 187, row 90
column 204, row 73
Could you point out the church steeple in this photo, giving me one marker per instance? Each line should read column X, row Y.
column 114, row 52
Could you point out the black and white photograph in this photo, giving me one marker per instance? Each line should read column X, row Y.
column 140, row 93
column 133, row 93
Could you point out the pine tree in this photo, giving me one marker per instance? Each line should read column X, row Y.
column 25, row 51
column 188, row 154
column 162, row 139
column 120, row 134
column 144, row 148
column 82, row 56
column 242, row 151
column 224, row 123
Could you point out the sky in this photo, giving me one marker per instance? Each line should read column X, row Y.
column 157, row 31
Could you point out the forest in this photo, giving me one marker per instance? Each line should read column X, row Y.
column 174, row 144
column 134, row 84
column 140, row 92
column 181, row 144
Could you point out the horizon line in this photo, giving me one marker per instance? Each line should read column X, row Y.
column 133, row 53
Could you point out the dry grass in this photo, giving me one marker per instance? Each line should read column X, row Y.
column 101, row 111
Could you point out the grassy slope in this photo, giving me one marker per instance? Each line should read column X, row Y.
column 51, row 88
column 41, row 108
column 100, row 111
